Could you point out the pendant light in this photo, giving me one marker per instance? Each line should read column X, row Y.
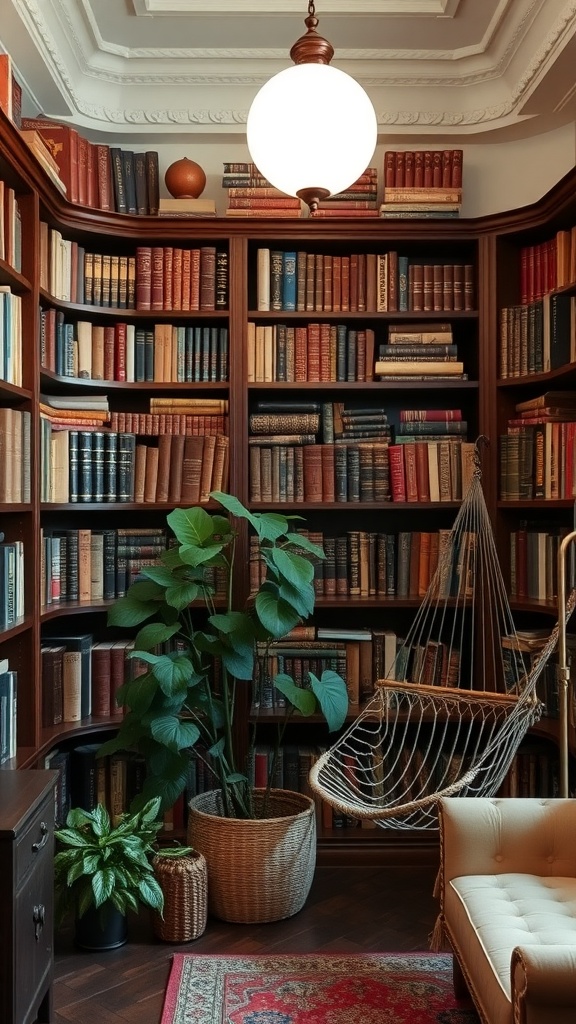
column 311, row 129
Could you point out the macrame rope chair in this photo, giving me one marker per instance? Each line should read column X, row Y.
column 457, row 699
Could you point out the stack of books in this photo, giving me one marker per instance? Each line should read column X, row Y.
column 359, row 200
column 422, row 183
column 252, row 195
column 420, row 351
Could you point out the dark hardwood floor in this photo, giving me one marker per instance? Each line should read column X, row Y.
column 350, row 909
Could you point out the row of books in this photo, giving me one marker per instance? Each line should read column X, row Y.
column 537, row 460
column 420, row 471
column 537, row 337
column 155, row 278
column 11, row 581
column 95, row 565
column 81, row 677
column 126, row 352
column 533, row 772
column 157, row 423
column 360, row 282
column 98, row 175
column 98, row 466
column 8, row 711
column 10, row 227
column 545, row 266
column 362, row 563
column 422, row 169
column 534, row 561
column 85, row 780
column 15, row 480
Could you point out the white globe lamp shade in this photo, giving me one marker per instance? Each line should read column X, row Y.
column 311, row 131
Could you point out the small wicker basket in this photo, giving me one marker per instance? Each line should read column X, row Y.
column 184, row 882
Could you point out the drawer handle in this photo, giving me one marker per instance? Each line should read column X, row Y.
column 38, row 917
column 45, row 832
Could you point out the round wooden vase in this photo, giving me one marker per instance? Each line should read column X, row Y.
column 185, row 179
column 184, row 882
column 258, row 870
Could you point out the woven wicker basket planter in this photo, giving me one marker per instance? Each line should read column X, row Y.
column 258, row 870
column 184, row 882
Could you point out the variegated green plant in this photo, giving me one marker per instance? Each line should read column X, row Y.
column 98, row 863
column 173, row 706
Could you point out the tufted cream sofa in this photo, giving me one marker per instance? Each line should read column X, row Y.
column 507, row 888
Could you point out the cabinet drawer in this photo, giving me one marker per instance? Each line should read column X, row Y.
column 36, row 844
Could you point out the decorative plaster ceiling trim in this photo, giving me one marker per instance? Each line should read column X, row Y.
column 436, row 118
column 403, row 8
column 565, row 26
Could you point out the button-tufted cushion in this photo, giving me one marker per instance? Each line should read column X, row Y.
column 491, row 914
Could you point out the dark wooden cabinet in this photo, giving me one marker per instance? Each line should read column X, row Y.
column 26, row 895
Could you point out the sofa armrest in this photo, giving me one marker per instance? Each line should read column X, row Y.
column 485, row 835
column 543, row 982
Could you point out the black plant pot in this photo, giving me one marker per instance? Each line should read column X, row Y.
column 101, row 928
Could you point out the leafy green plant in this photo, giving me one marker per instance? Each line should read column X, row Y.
column 174, row 706
column 98, row 863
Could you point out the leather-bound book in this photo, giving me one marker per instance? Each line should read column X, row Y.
column 207, row 277
column 143, row 277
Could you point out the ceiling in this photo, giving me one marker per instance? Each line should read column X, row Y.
column 161, row 68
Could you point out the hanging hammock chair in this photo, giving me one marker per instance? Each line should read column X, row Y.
column 457, row 700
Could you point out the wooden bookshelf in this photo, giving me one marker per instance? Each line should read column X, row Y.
column 492, row 247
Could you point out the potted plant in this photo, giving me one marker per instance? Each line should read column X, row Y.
column 103, row 870
column 176, row 705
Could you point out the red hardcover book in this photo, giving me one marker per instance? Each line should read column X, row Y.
column 361, row 282
column 83, row 146
column 176, row 278
column 409, row 169
column 345, row 284
column 168, row 277
column 143, row 277
column 327, row 284
column 328, row 474
column 448, row 286
column 62, row 141
column 399, row 170
column 437, row 168
column 389, row 168
column 469, row 291
column 422, row 477
column 419, row 168
column 300, row 354
column 104, row 176
column 447, row 168
column 336, row 284
column 457, row 157
column 191, row 280
column 397, row 471
column 92, row 188
column 410, row 472
column 428, row 168
column 312, row 456
column 325, row 359
column 313, row 371
column 157, row 278
column 101, row 657
column 428, row 287
column 416, row 287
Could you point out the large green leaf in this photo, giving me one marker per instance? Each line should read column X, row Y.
column 332, row 696
column 175, row 674
column 159, row 574
column 300, row 541
column 238, row 661
column 102, row 885
column 271, row 526
column 182, row 595
column 301, row 598
column 191, row 525
column 129, row 611
column 194, row 555
column 275, row 614
column 294, row 568
column 150, row 893
column 153, row 634
column 174, row 733
column 233, row 505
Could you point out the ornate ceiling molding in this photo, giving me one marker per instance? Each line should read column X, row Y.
column 172, row 8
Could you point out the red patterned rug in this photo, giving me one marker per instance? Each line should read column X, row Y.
column 370, row 988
